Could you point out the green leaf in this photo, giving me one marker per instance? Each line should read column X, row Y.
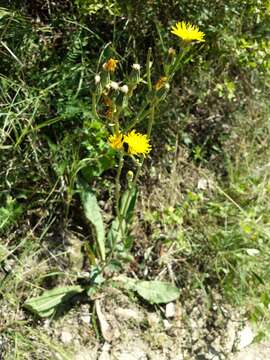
column 128, row 202
column 157, row 292
column 93, row 213
column 114, row 234
column 46, row 304
column 153, row 291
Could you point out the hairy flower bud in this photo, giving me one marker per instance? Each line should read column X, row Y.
column 136, row 67
column 171, row 51
column 114, row 85
column 97, row 79
column 124, row 89
column 130, row 175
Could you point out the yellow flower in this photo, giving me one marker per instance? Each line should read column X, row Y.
column 116, row 141
column 187, row 32
column 110, row 65
column 160, row 83
column 136, row 143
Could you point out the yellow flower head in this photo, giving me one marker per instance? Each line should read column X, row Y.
column 110, row 65
column 116, row 141
column 160, row 83
column 136, row 143
column 187, row 32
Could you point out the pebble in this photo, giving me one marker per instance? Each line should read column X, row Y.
column 246, row 337
column 170, row 310
column 129, row 314
column 66, row 337
column 86, row 318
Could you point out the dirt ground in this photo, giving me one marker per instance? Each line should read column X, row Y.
column 127, row 329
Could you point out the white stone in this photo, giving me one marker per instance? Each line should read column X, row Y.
column 134, row 355
column 246, row 337
column 230, row 336
column 178, row 356
column 105, row 352
column 66, row 337
column 170, row 310
column 202, row 184
column 153, row 319
column 167, row 324
column 86, row 318
column 129, row 314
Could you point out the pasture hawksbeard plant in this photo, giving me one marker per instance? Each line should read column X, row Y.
column 187, row 32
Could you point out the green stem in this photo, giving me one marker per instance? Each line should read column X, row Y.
column 178, row 61
column 148, row 69
column 117, row 184
column 151, row 120
column 142, row 114
column 94, row 106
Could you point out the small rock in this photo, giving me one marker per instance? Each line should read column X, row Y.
column 157, row 356
column 134, row 355
column 47, row 324
column 105, row 352
column 178, row 356
column 170, row 310
column 167, row 324
column 153, row 319
column 202, row 184
column 129, row 314
column 86, row 318
column 86, row 354
column 66, row 337
column 246, row 337
column 230, row 337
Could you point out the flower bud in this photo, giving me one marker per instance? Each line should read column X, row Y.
column 171, row 51
column 130, row 175
column 124, row 89
column 114, row 85
column 136, row 67
column 97, row 79
column 167, row 86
